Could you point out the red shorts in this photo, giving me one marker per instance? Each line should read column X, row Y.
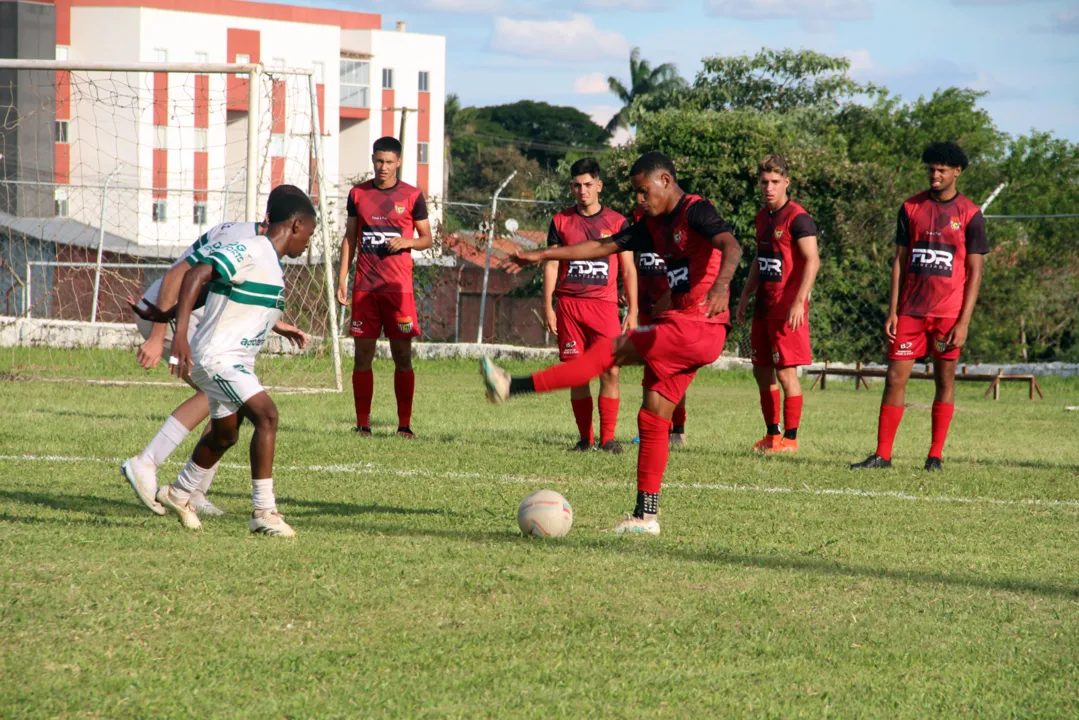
column 394, row 311
column 581, row 323
column 773, row 344
column 915, row 337
column 674, row 348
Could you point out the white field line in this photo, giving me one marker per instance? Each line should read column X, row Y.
column 373, row 469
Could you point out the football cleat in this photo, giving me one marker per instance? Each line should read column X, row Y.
column 202, row 506
column 142, row 477
column 406, row 432
column 362, row 431
column 873, row 462
column 581, row 446
column 496, row 380
column 632, row 525
column 270, row 522
column 612, row 446
column 783, row 445
column 933, row 464
column 765, row 443
column 188, row 517
column 676, row 440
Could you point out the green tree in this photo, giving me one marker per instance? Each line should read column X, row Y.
column 644, row 80
column 543, row 132
column 452, row 127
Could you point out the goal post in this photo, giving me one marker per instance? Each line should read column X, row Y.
column 109, row 170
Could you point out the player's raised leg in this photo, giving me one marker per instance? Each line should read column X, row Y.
column 678, row 424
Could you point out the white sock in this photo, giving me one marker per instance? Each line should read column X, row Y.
column 168, row 438
column 262, row 497
column 208, row 478
column 188, row 481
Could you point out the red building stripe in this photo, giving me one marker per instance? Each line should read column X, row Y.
column 63, row 22
column 63, row 94
column 240, row 42
column 277, row 110
column 62, row 164
column 160, row 174
column 161, row 98
column 423, row 177
column 277, row 171
column 243, row 8
column 202, row 175
column 423, row 119
column 387, row 115
column 202, row 101
column 320, row 95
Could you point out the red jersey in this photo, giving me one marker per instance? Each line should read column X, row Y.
column 651, row 274
column 383, row 215
column 779, row 262
column 940, row 235
column 683, row 238
column 586, row 279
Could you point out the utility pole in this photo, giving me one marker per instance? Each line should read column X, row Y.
column 401, row 132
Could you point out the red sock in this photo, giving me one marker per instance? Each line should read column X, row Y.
column 363, row 388
column 591, row 364
column 655, row 447
column 770, row 406
column 582, row 412
column 608, row 418
column 887, row 427
column 404, row 387
column 678, row 418
column 792, row 412
column 942, row 419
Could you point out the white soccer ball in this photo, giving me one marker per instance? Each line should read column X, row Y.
column 545, row 513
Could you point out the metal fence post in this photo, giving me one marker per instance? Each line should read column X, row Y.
column 101, row 242
column 487, row 260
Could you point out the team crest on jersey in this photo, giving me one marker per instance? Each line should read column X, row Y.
column 400, row 209
column 404, row 324
column 779, row 233
column 605, row 234
column 956, row 224
column 678, row 238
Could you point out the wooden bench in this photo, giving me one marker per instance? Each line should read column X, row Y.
column 860, row 374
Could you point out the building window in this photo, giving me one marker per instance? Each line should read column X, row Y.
column 319, row 71
column 63, row 53
column 61, row 131
column 387, row 78
column 199, row 216
column 277, row 145
column 202, row 142
column 161, row 137
column 161, row 56
column 60, row 196
column 202, row 58
column 277, row 62
column 425, row 81
column 421, row 153
column 355, row 83
column 243, row 59
column 160, row 211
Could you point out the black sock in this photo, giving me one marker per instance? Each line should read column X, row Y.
column 791, row 433
column 522, row 385
column 773, row 430
column 647, row 504
column 678, row 430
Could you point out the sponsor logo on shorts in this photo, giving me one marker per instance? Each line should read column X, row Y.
column 570, row 348
column 588, row 272
column 930, row 258
column 941, row 345
column 404, row 324
column 357, row 325
column 905, row 348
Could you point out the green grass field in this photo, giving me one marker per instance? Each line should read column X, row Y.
column 781, row 587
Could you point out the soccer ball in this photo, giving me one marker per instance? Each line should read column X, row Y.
column 545, row 513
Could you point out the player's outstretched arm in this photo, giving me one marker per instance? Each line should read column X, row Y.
column 719, row 295
column 291, row 333
column 808, row 247
column 348, row 246
column 192, row 285
column 588, row 250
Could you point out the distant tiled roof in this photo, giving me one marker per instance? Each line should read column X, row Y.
column 66, row 231
column 472, row 247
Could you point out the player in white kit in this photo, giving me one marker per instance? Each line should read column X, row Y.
column 245, row 301
column 141, row 470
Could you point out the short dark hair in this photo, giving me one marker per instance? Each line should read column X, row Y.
column 652, row 162
column 387, row 144
column 289, row 205
column 773, row 163
column 945, row 153
column 280, row 191
column 585, row 166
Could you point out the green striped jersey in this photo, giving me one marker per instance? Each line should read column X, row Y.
column 246, row 298
column 213, row 239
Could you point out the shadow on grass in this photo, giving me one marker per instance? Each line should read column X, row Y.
column 317, row 508
column 75, row 503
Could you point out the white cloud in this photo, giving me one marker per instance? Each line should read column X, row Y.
column 860, row 61
column 601, row 115
column 591, row 84
column 631, row 5
column 814, row 14
column 563, row 40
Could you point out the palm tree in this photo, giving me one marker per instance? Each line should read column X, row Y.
column 643, row 80
column 451, row 115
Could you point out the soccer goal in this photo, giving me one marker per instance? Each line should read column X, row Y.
column 108, row 172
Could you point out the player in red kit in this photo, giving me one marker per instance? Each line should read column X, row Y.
column 587, row 292
column 387, row 220
column 940, row 249
column 701, row 256
column 786, row 267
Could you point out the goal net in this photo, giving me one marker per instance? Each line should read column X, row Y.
column 108, row 173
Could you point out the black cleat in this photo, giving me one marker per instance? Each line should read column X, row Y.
column 873, row 462
column 675, row 440
column 612, row 446
column 406, row 432
column 933, row 464
column 362, row 430
column 581, row 446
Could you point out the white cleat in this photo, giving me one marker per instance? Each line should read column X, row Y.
column 202, row 506
column 496, row 380
column 142, row 477
column 630, row 525
column 188, row 518
column 270, row 522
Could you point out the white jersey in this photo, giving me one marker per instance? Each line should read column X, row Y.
column 244, row 302
column 213, row 239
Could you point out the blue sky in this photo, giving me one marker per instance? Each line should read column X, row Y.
column 1024, row 52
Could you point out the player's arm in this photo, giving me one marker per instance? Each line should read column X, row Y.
column 550, row 280
column 977, row 247
column 150, row 351
column 587, row 250
column 629, row 285
column 899, row 272
column 804, row 232
column 193, row 281
column 748, row 289
column 704, row 219
column 348, row 248
column 291, row 333
column 421, row 221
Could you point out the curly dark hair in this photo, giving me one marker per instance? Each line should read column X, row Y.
column 945, row 153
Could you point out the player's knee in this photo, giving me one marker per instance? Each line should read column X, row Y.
column 222, row 437
column 266, row 420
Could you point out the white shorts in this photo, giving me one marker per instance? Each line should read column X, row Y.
column 227, row 386
column 145, row 326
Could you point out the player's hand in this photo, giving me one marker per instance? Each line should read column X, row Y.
column 957, row 336
column 181, row 352
column 150, row 353
column 740, row 313
column 151, row 313
column 718, row 302
column 551, row 321
column 291, row 333
column 630, row 323
column 796, row 316
column 342, row 293
column 400, row 244
column 526, row 258
column 890, row 327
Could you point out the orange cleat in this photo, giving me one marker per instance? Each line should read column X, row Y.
column 783, row 445
column 765, row 443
